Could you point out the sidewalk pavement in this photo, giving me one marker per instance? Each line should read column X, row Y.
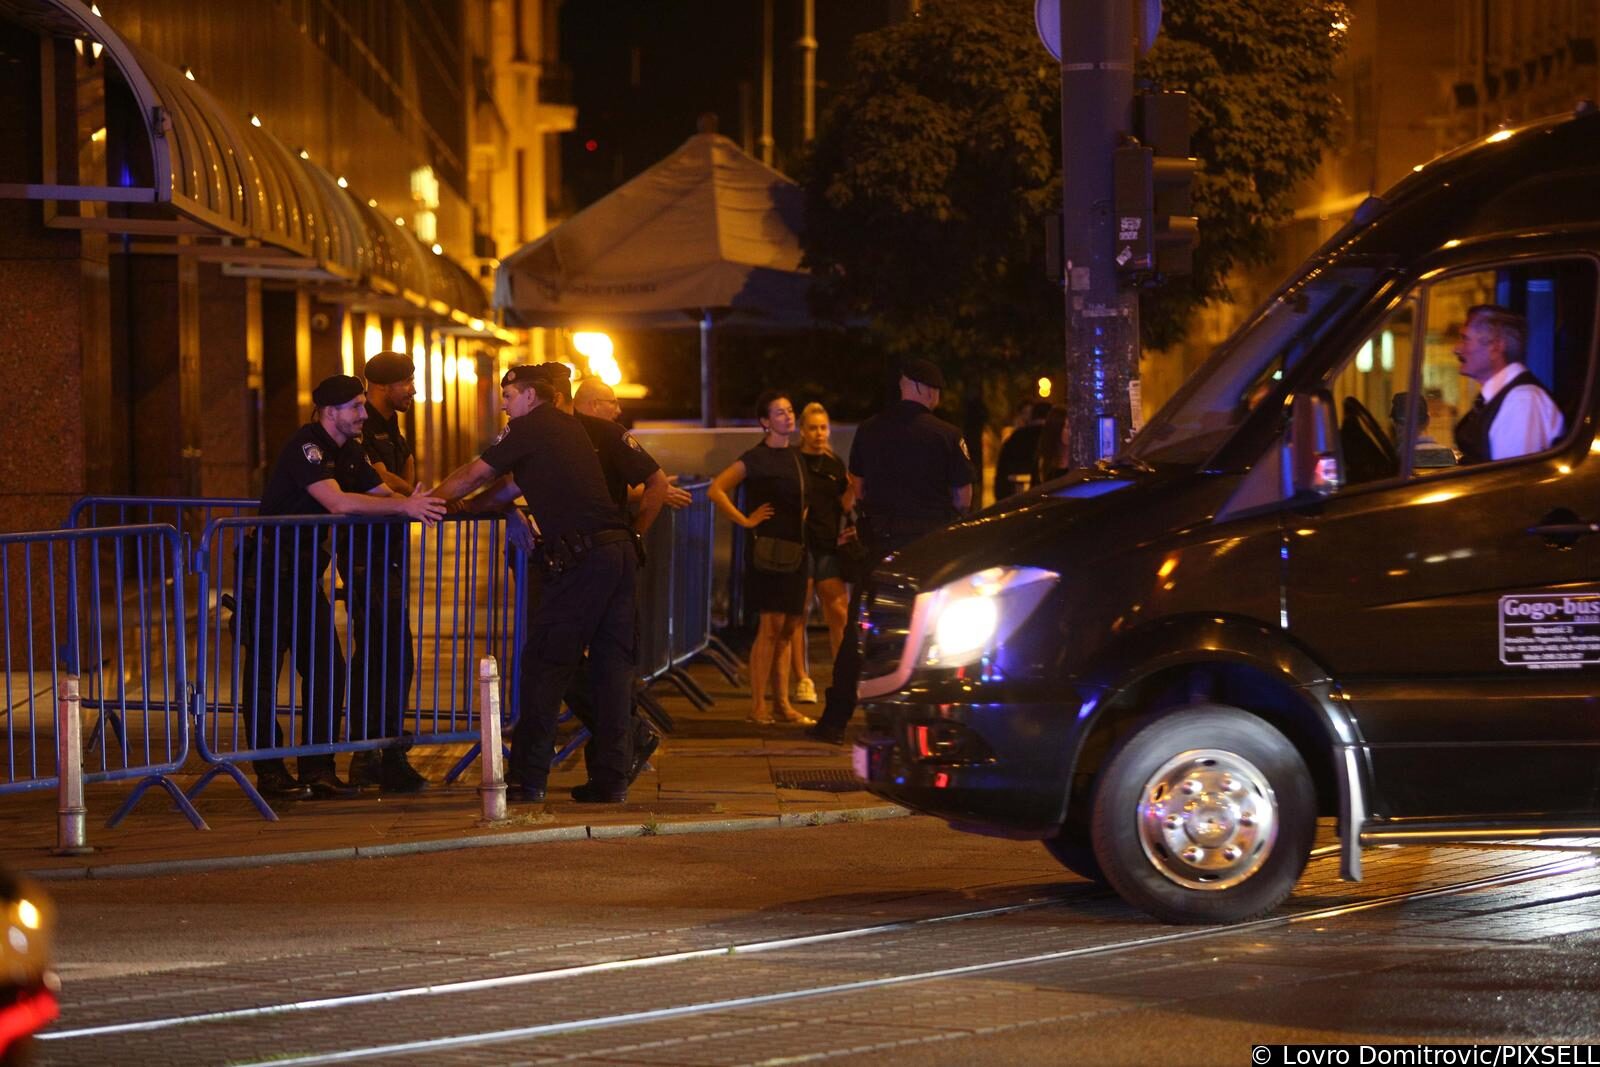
column 717, row 772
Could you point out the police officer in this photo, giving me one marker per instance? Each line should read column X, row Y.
column 374, row 570
column 628, row 470
column 911, row 474
column 321, row 470
column 587, row 599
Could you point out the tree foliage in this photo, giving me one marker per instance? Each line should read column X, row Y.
column 935, row 169
column 929, row 182
column 1259, row 74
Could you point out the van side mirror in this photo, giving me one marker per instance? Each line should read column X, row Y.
column 1313, row 460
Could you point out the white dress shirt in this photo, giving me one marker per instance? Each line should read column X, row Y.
column 1528, row 420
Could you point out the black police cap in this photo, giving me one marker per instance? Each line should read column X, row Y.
column 923, row 371
column 387, row 368
column 528, row 373
column 336, row 390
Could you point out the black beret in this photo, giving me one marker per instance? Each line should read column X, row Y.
column 556, row 373
column 336, row 390
column 521, row 373
column 387, row 368
column 923, row 371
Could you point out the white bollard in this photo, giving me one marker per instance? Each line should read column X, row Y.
column 71, row 815
column 493, row 786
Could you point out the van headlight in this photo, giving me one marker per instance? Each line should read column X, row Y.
column 971, row 616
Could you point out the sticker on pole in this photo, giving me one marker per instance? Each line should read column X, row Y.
column 1550, row 632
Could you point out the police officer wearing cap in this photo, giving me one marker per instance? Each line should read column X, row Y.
column 587, row 553
column 322, row 470
column 911, row 475
column 382, row 661
column 628, row 469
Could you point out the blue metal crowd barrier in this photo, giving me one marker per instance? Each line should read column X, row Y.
column 390, row 616
column 106, row 604
column 382, row 621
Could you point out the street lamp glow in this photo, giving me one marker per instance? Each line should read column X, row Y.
column 592, row 343
column 372, row 339
column 1044, row 388
column 599, row 350
column 342, row 183
column 255, row 120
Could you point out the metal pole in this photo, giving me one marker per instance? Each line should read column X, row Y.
column 1102, row 321
column 708, row 371
column 71, row 814
column 493, row 787
column 765, row 140
column 806, row 45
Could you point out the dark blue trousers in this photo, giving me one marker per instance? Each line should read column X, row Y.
column 590, row 607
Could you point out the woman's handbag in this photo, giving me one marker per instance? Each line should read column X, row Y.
column 777, row 555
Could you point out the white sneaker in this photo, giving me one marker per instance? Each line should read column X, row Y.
column 805, row 692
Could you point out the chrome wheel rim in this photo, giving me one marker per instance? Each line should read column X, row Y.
column 1207, row 819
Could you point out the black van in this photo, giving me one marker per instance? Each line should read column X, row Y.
column 1289, row 596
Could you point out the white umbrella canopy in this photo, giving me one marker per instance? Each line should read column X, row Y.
column 707, row 235
column 706, row 229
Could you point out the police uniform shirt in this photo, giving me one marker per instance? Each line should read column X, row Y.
column 557, row 471
column 311, row 457
column 384, row 443
column 909, row 460
column 623, row 460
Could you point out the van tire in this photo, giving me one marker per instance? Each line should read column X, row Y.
column 1232, row 852
column 1074, row 850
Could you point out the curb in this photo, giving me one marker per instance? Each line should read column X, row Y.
column 162, row 868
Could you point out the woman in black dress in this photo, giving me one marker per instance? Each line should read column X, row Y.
column 828, row 499
column 775, row 497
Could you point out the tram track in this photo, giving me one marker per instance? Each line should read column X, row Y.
column 676, row 1006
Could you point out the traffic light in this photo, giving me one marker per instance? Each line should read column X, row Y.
column 1153, row 181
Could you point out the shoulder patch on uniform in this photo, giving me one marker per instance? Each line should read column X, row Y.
column 313, row 454
column 632, row 443
column 962, row 441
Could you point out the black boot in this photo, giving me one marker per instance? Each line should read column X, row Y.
column 366, row 769
column 317, row 774
column 274, row 782
column 398, row 774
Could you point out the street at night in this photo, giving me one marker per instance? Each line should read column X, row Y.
column 895, row 942
column 762, row 532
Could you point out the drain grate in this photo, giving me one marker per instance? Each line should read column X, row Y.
column 830, row 781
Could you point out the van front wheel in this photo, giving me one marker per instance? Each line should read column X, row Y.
column 1204, row 815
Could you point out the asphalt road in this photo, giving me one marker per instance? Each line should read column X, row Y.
column 897, row 942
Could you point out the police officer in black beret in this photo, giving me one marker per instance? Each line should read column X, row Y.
column 321, row 471
column 912, row 475
column 587, row 554
column 374, row 568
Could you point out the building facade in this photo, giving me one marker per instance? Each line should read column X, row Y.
column 1417, row 80
column 207, row 208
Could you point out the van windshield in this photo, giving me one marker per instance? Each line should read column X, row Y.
column 1250, row 368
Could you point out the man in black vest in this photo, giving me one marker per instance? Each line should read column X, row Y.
column 1513, row 415
column 912, row 475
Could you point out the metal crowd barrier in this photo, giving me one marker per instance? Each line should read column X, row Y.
column 103, row 607
column 391, row 617
column 187, row 515
column 381, row 622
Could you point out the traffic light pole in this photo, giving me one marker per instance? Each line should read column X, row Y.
column 1097, row 49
